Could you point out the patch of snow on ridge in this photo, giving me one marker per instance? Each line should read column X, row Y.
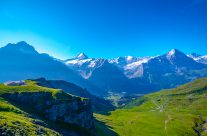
column 86, row 75
column 171, row 53
column 78, row 62
column 199, row 59
column 129, row 58
column 92, row 64
column 137, row 63
column 135, row 69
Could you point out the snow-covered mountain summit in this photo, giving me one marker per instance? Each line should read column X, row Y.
column 81, row 56
column 131, row 73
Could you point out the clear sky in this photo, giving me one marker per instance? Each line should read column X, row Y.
column 105, row 28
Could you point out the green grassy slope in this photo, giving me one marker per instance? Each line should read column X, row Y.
column 16, row 120
column 175, row 112
column 33, row 87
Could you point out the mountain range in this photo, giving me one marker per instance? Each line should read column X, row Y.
column 126, row 75
column 140, row 74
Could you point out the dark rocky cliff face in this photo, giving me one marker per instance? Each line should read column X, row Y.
column 62, row 108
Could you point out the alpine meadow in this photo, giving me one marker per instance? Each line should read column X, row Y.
column 103, row 68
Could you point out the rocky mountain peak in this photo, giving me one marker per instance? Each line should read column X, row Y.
column 175, row 53
column 82, row 56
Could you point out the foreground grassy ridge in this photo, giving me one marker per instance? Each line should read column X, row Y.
column 14, row 121
column 33, row 87
column 176, row 112
column 30, row 87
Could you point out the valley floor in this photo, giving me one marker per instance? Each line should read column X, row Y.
column 176, row 112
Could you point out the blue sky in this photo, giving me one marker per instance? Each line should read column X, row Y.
column 106, row 28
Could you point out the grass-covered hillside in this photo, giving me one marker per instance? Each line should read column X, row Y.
column 175, row 112
column 20, row 118
column 15, row 122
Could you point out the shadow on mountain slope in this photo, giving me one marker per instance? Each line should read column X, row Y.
column 104, row 130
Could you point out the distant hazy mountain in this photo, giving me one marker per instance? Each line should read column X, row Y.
column 139, row 75
column 21, row 61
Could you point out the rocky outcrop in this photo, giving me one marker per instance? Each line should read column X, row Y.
column 60, row 107
column 14, row 83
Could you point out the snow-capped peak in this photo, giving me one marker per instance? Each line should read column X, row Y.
column 175, row 53
column 129, row 58
column 81, row 56
column 171, row 52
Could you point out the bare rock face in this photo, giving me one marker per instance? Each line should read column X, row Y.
column 77, row 112
column 64, row 108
